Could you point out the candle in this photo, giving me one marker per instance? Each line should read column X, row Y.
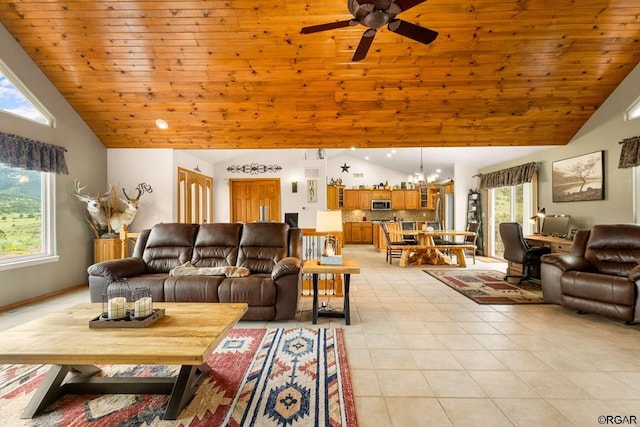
column 117, row 308
column 142, row 307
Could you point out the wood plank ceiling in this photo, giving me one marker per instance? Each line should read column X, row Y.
column 238, row 73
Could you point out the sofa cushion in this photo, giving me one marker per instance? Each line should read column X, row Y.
column 262, row 245
column 598, row 287
column 613, row 249
column 217, row 245
column 258, row 290
column 192, row 288
column 168, row 246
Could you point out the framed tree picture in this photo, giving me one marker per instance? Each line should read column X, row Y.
column 579, row 178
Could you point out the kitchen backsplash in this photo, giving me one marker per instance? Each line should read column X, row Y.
column 404, row 215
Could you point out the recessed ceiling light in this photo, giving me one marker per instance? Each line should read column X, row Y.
column 162, row 124
column 389, row 154
column 393, row 151
column 353, row 148
column 366, row 157
column 438, row 170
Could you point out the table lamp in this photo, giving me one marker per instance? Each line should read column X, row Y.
column 537, row 218
column 329, row 222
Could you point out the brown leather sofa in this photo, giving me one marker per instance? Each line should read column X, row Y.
column 272, row 252
column 600, row 276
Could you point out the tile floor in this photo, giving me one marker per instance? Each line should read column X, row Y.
column 423, row 355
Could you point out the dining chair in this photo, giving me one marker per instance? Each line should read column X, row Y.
column 471, row 239
column 409, row 226
column 392, row 252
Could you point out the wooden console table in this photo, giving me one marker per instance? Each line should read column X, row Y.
column 556, row 244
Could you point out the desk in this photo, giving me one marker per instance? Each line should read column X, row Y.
column 347, row 268
column 556, row 244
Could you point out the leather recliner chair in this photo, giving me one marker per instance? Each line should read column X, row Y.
column 600, row 276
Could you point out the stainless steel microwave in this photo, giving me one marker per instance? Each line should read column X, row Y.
column 381, row 205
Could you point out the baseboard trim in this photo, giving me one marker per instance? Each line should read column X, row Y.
column 41, row 297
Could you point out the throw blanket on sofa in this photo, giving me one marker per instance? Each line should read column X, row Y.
column 188, row 269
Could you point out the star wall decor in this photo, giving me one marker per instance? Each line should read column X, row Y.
column 345, row 168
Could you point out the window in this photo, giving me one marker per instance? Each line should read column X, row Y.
column 17, row 100
column 634, row 111
column 26, row 225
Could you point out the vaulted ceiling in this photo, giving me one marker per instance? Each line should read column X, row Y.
column 239, row 74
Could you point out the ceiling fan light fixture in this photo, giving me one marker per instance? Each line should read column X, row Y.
column 376, row 19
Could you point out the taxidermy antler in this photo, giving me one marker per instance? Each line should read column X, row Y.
column 126, row 217
column 96, row 212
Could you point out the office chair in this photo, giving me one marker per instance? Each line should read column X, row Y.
column 518, row 251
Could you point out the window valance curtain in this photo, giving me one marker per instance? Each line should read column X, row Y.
column 630, row 154
column 20, row 152
column 507, row 177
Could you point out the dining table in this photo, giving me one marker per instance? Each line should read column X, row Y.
column 425, row 251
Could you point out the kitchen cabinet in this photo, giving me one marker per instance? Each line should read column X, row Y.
column 381, row 194
column 358, row 232
column 357, row 199
column 335, row 197
column 405, row 199
column 364, row 199
column 397, row 199
column 351, row 199
column 429, row 196
column 411, row 199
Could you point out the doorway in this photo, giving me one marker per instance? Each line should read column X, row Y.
column 251, row 196
column 195, row 197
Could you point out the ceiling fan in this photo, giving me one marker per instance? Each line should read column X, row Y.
column 373, row 14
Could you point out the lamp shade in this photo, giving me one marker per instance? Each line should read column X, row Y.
column 329, row 221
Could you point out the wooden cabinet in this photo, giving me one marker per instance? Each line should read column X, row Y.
column 357, row 199
column 411, row 199
column 351, row 199
column 335, row 197
column 397, row 199
column 106, row 249
column 429, row 196
column 364, row 199
column 380, row 194
column 358, row 232
column 405, row 199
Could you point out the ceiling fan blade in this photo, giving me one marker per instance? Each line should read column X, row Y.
column 364, row 45
column 408, row 4
column 329, row 26
column 415, row 32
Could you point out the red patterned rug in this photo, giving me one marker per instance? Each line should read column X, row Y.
column 259, row 377
column 489, row 287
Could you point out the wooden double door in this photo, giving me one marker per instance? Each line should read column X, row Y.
column 250, row 196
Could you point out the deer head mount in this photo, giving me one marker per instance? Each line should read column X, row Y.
column 126, row 216
column 104, row 215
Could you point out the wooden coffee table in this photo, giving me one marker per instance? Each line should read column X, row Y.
column 347, row 268
column 186, row 335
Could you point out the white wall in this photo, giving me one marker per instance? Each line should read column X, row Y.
column 87, row 161
column 293, row 166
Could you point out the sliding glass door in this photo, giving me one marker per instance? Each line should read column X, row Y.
column 509, row 204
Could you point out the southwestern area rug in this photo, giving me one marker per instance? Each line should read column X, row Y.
column 260, row 377
column 489, row 287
